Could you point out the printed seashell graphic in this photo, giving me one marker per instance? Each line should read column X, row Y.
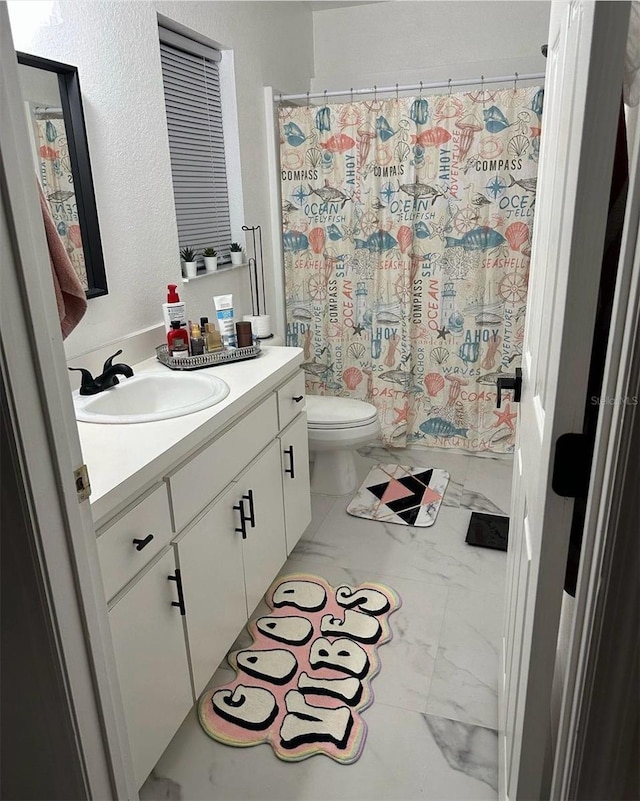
column 294, row 241
column 405, row 238
column 383, row 129
column 293, row 134
column 401, row 151
column 494, row 120
column 74, row 235
column 313, row 157
column 518, row 145
column 317, row 239
column 434, row 383
column 352, row 377
column 440, row 355
column 356, row 350
column 517, row 234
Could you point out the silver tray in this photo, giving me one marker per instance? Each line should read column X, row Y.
column 207, row 359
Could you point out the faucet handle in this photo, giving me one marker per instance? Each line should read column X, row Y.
column 109, row 362
column 87, row 383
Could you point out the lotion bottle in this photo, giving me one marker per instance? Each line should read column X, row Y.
column 174, row 308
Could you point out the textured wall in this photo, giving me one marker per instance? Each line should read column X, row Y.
column 115, row 47
column 405, row 42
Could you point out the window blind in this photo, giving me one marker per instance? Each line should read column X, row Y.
column 196, row 143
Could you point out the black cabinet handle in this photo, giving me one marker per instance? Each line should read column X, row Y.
column 252, row 513
column 291, row 468
column 239, row 507
column 513, row 382
column 140, row 544
column 180, row 602
column 298, row 398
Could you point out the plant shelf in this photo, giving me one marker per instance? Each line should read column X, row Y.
column 224, row 269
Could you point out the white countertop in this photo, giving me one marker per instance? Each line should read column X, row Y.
column 124, row 460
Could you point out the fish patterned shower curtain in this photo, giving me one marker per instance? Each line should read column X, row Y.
column 407, row 234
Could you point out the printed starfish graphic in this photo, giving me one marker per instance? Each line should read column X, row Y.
column 402, row 414
column 358, row 329
column 442, row 333
column 506, row 416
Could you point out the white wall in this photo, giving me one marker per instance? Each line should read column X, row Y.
column 115, row 47
column 406, row 42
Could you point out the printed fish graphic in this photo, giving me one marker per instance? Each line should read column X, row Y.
column 383, row 129
column 422, row 230
column 387, row 318
column 421, row 190
column 490, row 378
column 528, row 184
column 294, row 134
column 338, row 144
column 482, row 238
column 288, row 207
column 334, row 233
column 294, row 241
column 398, row 377
column 328, row 193
column 300, row 313
column 60, row 195
column 316, row 368
column 439, row 427
column 432, row 137
column 494, row 120
column 419, row 112
column 379, row 242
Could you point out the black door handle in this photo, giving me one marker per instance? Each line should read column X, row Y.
column 239, row 507
column 140, row 544
column 252, row 514
column 291, row 468
column 298, row 398
column 180, row 602
column 513, row 382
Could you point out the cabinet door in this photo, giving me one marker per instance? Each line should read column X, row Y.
column 151, row 659
column 264, row 549
column 210, row 559
column 294, row 447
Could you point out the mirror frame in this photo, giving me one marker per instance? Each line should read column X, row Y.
column 71, row 102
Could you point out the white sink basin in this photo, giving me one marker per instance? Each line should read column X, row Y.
column 151, row 396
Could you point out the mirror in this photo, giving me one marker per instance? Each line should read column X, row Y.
column 51, row 94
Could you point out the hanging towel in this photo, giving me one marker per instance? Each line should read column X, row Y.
column 70, row 296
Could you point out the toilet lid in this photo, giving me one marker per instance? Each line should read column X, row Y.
column 330, row 412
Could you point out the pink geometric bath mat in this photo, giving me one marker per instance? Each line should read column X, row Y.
column 393, row 493
column 305, row 680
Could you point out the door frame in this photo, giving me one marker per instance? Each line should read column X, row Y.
column 43, row 431
column 597, row 694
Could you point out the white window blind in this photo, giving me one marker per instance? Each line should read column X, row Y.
column 196, row 142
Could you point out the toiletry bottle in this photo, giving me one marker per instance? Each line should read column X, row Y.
column 244, row 334
column 224, row 313
column 212, row 338
column 197, row 342
column 203, row 326
column 174, row 308
column 177, row 340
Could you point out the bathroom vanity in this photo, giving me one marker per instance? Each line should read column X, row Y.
column 195, row 516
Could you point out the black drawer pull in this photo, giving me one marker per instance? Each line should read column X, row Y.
column 298, row 398
column 252, row 513
column 291, row 468
column 180, row 602
column 140, row 544
column 239, row 507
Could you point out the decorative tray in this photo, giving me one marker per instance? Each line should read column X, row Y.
column 207, row 359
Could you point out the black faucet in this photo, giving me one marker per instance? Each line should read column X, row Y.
column 109, row 377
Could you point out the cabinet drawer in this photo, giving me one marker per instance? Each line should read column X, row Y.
column 149, row 521
column 207, row 473
column 288, row 406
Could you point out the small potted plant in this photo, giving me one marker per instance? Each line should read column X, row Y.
column 210, row 257
column 189, row 263
column 237, row 256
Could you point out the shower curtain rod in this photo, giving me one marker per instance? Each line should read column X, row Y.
column 414, row 87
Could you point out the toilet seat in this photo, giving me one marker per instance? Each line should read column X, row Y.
column 327, row 412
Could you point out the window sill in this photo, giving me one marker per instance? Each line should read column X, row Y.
column 204, row 274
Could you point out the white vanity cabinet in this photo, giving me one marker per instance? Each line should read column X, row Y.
column 188, row 561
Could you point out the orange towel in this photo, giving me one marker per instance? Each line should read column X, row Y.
column 70, row 296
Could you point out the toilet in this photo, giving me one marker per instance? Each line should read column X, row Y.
column 336, row 427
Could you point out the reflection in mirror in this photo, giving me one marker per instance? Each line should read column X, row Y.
column 51, row 95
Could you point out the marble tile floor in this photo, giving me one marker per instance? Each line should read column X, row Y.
column 432, row 727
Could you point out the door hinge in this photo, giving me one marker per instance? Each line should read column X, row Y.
column 83, row 485
column 572, row 466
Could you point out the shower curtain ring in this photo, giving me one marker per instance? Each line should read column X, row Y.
column 325, row 97
column 307, row 98
column 375, row 93
column 515, row 83
column 420, row 88
column 397, row 98
column 351, row 92
column 449, row 82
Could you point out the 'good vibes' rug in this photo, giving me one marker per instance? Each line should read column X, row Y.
column 303, row 683
column 393, row 493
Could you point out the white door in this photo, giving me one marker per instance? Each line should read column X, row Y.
column 583, row 88
column 294, row 449
column 210, row 560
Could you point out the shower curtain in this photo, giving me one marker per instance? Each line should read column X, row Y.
column 407, row 229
